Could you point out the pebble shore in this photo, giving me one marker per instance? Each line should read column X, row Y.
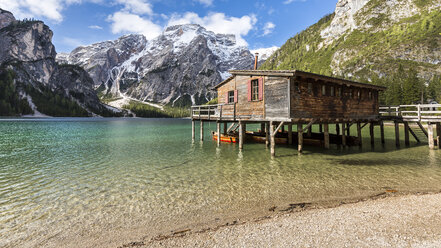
column 396, row 221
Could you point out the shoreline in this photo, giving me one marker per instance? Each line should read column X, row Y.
column 260, row 231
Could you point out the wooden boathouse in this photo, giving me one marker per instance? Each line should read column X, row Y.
column 280, row 99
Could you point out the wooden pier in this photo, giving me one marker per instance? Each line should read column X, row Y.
column 277, row 100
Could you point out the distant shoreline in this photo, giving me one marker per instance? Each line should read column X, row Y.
column 386, row 219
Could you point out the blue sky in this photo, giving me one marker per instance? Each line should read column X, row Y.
column 258, row 24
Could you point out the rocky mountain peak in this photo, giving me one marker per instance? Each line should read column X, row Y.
column 344, row 19
column 179, row 66
column 6, row 18
column 26, row 48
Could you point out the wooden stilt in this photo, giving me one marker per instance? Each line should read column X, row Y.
column 283, row 128
column 371, row 130
column 438, row 134
column 360, row 138
column 321, row 128
column 300, row 134
column 267, row 134
column 262, row 127
column 241, row 135
column 225, row 127
column 218, row 133
column 337, row 129
column 193, row 133
column 382, row 132
column 326, row 136
column 348, row 129
column 430, row 134
column 310, row 131
column 290, row 134
column 273, row 139
column 397, row 134
column 406, row 133
column 202, row 131
column 343, row 134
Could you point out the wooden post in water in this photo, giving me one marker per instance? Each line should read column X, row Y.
column 438, row 134
column 397, row 134
column 326, row 135
column 321, row 128
column 273, row 139
column 262, row 127
column 343, row 134
column 406, row 133
column 371, row 130
column 360, row 138
column 241, row 135
column 193, row 134
column 337, row 129
column 225, row 128
column 310, row 131
column 218, row 133
column 300, row 134
column 382, row 132
column 289, row 134
column 348, row 129
column 430, row 136
column 202, row 131
column 267, row 134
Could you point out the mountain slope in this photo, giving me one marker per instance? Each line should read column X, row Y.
column 178, row 68
column 364, row 38
column 29, row 73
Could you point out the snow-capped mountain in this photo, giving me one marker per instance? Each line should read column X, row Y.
column 265, row 53
column 180, row 66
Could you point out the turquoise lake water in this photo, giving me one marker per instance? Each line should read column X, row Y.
column 78, row 182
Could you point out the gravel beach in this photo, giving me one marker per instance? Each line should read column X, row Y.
column 396, row 221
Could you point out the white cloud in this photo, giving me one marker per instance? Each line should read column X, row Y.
column 290, row 1
column 124, row 22
column 206, row 2
column 50, row 9
column 136, row 6
column 218, row 23
column 268, row 28
column 95, row 27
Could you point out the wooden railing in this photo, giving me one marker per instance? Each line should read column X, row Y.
column 214, row 112
column 420, row 112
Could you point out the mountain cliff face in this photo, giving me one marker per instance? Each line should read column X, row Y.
column 366, row 37
column 178, row 68
column 27, row 54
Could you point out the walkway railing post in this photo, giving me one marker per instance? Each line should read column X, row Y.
column 202, row 130
column 360, row 141
column 193, row 133
column 273, row 139
column 397, row 133
column 241, row 135
column 326, row 135
column 343, row 134
column 218, row 133
column 267, row 134
column 430, row 134
column 300, row 138
column 382, row 132
column 406, row 134
column 289, row 134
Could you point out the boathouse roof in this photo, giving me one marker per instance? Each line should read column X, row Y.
column 297, row 73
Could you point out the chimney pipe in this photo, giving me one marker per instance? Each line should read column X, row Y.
column 256, row 60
